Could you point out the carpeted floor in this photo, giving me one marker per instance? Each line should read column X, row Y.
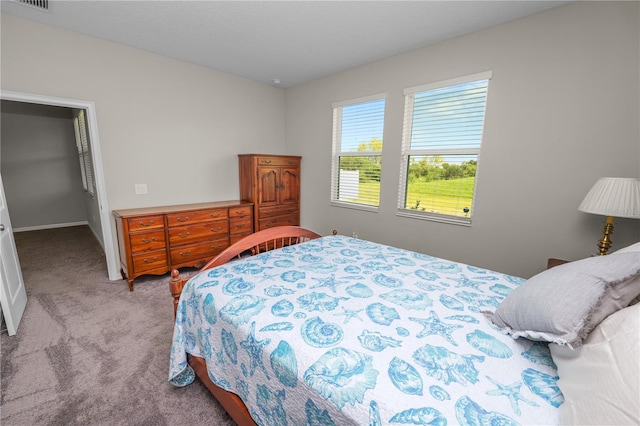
column 88, row 351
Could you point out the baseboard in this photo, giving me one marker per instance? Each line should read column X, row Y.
column 55, row 225
column 98, row 237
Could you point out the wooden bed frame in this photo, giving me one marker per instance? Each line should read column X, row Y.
column 251, row 245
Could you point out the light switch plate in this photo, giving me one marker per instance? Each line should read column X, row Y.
column 141, row 188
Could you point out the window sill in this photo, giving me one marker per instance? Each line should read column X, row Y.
column 462, row 221
column 355, row 206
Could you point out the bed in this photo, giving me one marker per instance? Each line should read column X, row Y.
column 288, row 327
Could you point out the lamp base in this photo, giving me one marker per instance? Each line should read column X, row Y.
column 605, row 242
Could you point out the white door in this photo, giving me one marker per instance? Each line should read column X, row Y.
column 13, row 295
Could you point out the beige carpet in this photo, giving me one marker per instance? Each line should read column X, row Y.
column 87, row 350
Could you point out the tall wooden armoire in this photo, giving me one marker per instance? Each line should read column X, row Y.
column 272, row 183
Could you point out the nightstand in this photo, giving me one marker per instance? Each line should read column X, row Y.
column 551, row 262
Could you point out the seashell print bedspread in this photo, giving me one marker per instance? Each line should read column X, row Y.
column 339, row 331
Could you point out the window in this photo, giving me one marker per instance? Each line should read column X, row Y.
column 357, row 153
column 441, row 138
column 82, row 143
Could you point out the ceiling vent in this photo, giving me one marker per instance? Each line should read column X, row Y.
column 38, row 4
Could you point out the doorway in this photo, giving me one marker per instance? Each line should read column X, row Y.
column 104, row 233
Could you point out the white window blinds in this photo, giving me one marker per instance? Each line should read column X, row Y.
column 84, row 156
column 358, row 127
column 442, row 135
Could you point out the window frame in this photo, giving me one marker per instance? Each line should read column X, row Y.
column 407, row 152
column 337, row 153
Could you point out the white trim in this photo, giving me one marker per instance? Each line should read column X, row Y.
column 360, row 100
column 51, row 226
column 356, row 206
column 98, row 173
column 444, row 152
column 335, row 159
column 434, row 217
column 360, row 153
column 486, row 75
column 405, row 145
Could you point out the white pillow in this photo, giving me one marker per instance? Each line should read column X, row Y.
column 563, row 304
column 632, row 248
column 600, row 380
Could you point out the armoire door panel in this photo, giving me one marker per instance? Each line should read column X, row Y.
column 267, row 186
column 289, row 186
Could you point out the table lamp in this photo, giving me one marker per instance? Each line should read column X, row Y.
column 612, row 197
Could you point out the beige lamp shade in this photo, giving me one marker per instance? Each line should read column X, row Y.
column 610, row 196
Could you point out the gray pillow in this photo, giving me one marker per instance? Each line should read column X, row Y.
column 563, row 304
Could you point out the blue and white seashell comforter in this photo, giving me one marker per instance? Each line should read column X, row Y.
column 345, row 331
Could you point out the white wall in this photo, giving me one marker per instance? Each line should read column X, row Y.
column 562, row 112
column 175, row 126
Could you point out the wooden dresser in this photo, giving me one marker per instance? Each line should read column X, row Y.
column 155, row 240
column 272, row 184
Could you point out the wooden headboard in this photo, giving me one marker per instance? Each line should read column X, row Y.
column 259, row 242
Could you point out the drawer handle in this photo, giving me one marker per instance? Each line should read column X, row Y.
column 181, row 235
column 290, row 220
column 146, row 240
column 239, row 212
column 215, row 214
column 291, row 210
column 241, row 225
column 266, row 161
column 179, row 219
column 146, row 224
column 217, row 247
column 218, row 229
column 155, row 259
column 185, row 254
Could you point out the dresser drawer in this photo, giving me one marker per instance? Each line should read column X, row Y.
column 195, row 216
column 145, row 222
column 195, row 252
column 278, row 211
column 149, row 260
column 240, row 211
column 288, row 220
column 234, row 238
column 181, row 235
column 277, row 161
column 240, row 225
column 145, row 241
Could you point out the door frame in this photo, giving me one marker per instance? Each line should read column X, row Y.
column 96, row 158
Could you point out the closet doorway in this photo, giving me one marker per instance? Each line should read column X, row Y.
column 94, row 209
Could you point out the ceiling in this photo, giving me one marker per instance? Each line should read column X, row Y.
column 283, row 43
